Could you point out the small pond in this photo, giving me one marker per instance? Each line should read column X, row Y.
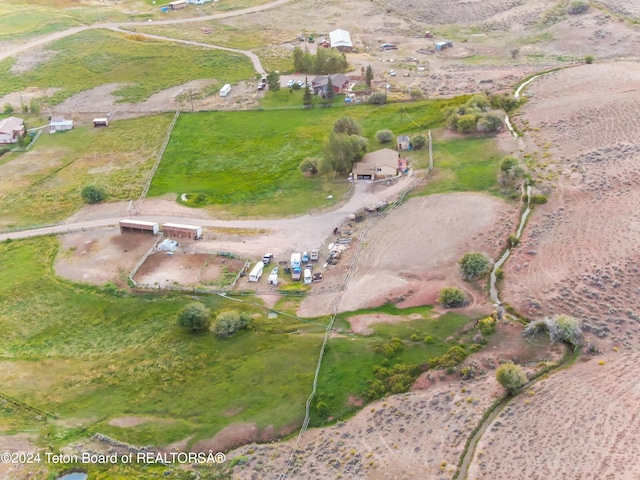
column 74, row 476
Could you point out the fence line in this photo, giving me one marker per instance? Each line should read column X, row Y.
column 145, row 190
column 142, row 260
column 430, row 152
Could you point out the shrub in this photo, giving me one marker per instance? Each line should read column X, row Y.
column 378, row 99
column 419, row 142
column 473, row 265
column 8, row 109
column 451, row 297
column 429, row 340
column 511, row 376
column 454, row 356
column 309, row 166
column 588, row 59
column 577, row 6
column 561, row 328
column 487, row 325
column 322, row 408
column 415, row 93
column 194, row 317
column 513, row 241
column 537, row 199
column 468, row 373
column 229, row 322
column 384, row 136
column 466, row 123
column 92, row 194
column 112, row 289
column 415, row 337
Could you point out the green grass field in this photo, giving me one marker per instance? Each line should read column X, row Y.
column 77, row 352
column 96, row 57
column 464, row 165
column 43, row 185
column 246, row 162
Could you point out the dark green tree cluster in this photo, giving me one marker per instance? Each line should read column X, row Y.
column 392, row 380
column 454, row 356
column 195, row 317
column 273, row 81
column 475, row 115
column 325, row 61
column 229, row 322
column 511, row 172
column 344, row 146
column 391, row 348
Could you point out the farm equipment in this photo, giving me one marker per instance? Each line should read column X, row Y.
column 428, row 35
column 205, row 30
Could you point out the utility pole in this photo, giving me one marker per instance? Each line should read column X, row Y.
column 191, row 96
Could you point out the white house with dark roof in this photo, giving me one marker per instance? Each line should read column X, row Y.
column 11, row 129
column 341, row 40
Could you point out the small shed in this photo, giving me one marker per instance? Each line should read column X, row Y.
column 59, row 124
column 139, row 226
column 101, row 122
column 404, row 142
column 181, row 231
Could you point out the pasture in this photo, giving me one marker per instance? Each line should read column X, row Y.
column 43, row 185
column 245, row 163
column 82, row 353
column 142, row 66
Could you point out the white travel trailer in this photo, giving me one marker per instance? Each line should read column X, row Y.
column 224, row 91
column 256, row 273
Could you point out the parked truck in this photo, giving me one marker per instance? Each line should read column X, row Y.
column 296, row 264
column 315, row 254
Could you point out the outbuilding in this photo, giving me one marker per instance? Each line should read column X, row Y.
column 404, row 142
column 178, row 4
column 59, row 124
column 139, row 226
column 256, row 273
column 181, row 231
column 341, row 40
column 101, row 122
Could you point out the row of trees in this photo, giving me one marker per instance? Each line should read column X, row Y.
column 324, row 62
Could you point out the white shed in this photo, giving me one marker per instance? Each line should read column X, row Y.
column 224, row 91
column 59, row 124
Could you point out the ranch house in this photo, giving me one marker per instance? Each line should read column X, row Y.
column 11, row 129
column 380, row 164
column 340, row 83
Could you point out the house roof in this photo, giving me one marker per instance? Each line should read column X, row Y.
column 383, row 157
column 10, row 125
column 60, row 120
column 338, row 80
column 340, row 38
column 403, row 138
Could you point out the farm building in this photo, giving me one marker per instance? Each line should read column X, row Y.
column 339, row 80
column 181, row 231
column 59, row 124
column 404, row 142
column 101, row 122
column 382, row 163
column 442, row 45
column 341, row 40
column 11, row 129
column 198, row 2
column 178, row 4
column 139, row 226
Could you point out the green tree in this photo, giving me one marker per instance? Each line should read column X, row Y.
column 473, row 265
column 378, row 99
column 34, row 106
column 273, row 80
column 229, row 322
column 8, row 109
column 194, row 317
column 511, row 376
column 298, row 59
column 331, row 93
column 489, row 122
column 368, row 76
column 92, row 194
column 348, row 126
column 467, row 123
column 511, row 172
column 451, row 297
column 307, row 98
column 341, row 151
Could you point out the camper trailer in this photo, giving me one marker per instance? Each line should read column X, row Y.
column 308, row 278
column 296, row 260
column 273, row 277
column 224, row 91
column 256, row 273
